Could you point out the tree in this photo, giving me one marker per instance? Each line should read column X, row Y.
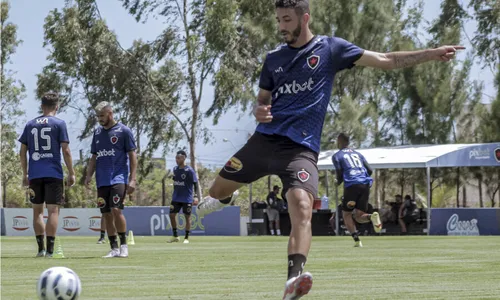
column 487, row 35
column 13, row 91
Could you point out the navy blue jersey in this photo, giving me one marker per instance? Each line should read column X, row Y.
column 184, row 180
column 111, row 147
column 43, row 136
column 301, row 82
column 352, row 167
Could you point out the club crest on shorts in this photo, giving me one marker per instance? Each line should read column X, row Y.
column 351, row 204
column 171, row 207
column 31, row 192
column 233, row 165
column 100, row 202
column 303, row 176
column 116, row 199
column 114, row 139
column 497, row 154
column 313, row 61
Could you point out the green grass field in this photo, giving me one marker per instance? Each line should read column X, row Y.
column 255, row 268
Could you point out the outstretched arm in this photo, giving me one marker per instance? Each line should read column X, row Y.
column 403, row 59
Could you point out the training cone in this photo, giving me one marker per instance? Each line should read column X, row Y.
column 130, row 238
column 59, row 251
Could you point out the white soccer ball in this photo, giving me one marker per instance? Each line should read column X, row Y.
column 59, row 283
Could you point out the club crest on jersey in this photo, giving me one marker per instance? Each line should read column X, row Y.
column 313, row 61
column 183, row 176
column 114, row 139
column 116, row 199
column 303, row 175
column 233, row 165
column 497, row 154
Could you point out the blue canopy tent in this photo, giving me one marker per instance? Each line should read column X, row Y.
column 424, row 156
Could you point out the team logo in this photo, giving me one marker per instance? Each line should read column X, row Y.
column 116, row 199
column 188, row 209
column 114, row 139
column 98, row 131
column 42, row 121
column 233, row 165
column 100, row 202
column 351, row 204
column 303, row 175
column 497, row 154
column 313, row 61
column 183, row 176
column 31, row 193
column 35, row 156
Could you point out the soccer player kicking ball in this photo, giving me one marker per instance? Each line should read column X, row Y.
column 113, row 154
column 354, row 171
column 43, row 137
column 295, row 87
column 185, row 182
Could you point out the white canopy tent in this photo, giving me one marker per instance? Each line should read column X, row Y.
column 424, row 156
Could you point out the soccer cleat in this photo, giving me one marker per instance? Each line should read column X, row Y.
column 174, row 240
column 49, row 255
column 377, row 224
column 123, row 251
column 101, row 241
column 297, row 287
column 358, row 244
column 112, row 253
column 209, row 205
column 41, row 254
column 186, row 241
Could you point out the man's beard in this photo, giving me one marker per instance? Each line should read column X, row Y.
column 294, row 35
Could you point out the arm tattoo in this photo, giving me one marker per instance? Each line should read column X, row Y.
column 405, row 59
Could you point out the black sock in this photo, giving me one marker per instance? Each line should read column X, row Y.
column 296, row 264
column 174, row 231
column 50, row 244
column 227, row 200
column 187, row 235
column 355, row 236
column 39, row 241
column 112, row 241
column 102, row 234
column 123, row 238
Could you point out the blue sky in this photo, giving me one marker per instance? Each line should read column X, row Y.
column 31, row 57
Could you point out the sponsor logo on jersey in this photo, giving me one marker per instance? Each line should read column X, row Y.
column 103, row 153
column 42, row 121
column 37, row 156
column 179, row 183
column 295, row 87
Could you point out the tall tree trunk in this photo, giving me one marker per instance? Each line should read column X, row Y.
column 480, row 185
column 464, row 196
column 4, row 193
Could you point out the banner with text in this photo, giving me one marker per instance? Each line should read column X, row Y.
column 465, row 221
column 155, row 220
column 72, row 221
column 150, row 220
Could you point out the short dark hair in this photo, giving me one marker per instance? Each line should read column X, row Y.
column 301, row 6
column 276, row 188
column 50, row 100
column 407, row 197
column 344, row 138
column 182, row 152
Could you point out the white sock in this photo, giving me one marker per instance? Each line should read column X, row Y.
column 272, row 231
column 278, row 231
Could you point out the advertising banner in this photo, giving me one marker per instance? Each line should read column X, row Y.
column 465, row 221
column 155, row 220
column 72, row 221
column 147, row 221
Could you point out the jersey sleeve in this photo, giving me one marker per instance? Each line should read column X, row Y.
column 23, row 139
column 129, row 141
column 93, row 148
column 63, row 133
column 266, row 77
column 193, row 176
column 344, row 53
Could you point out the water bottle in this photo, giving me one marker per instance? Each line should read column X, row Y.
column 324, row 202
